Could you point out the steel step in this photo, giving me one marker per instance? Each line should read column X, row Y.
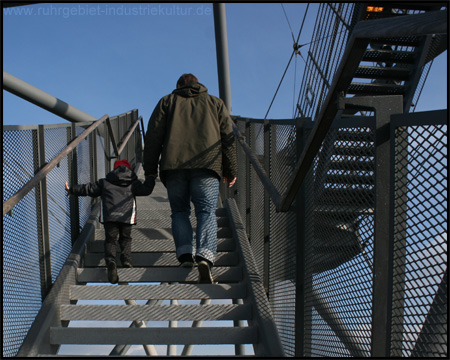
column 363, row 137
column 389, row 56
column 165, row 213
column 355, row 197
column 167, row 274
column 158, row 292
column 376, row 72
column 156, row 312
column 341, row 213
column 375, row 89
column 131, row 336
column 158, row 233
column 352, row 165
column 354, row 151
column 410, row 41
column 350, row 179
column 142, row 259
column 144, row 244
column 147, row 218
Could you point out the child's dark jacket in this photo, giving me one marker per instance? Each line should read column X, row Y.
column 117, row 190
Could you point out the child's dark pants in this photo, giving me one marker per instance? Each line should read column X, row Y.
column 117, row 231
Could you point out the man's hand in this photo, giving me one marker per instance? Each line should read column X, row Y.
column 229, row 180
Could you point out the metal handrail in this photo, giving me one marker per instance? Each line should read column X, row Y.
column 128, row 135
column 267, row 183
column 19, row 195
column 433, row 22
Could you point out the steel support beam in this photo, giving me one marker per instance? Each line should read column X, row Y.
column 42, row 215
column 384, row 107
column 223, row 67
column 37, row 340
column 44, row 100
column 341, row 330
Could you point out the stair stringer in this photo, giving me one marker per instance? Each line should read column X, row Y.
column 268, row 339
column 37, row 340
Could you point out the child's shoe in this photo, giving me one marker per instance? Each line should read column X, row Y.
column 112, row 273
column 127, row 264
column 186, row 260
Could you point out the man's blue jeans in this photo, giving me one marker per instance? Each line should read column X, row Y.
column 202, row 188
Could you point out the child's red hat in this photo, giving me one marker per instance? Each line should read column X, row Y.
column 121, row 162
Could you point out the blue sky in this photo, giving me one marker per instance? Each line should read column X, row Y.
column 111, row 58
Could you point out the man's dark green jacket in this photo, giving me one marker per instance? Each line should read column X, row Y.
column 190, row 129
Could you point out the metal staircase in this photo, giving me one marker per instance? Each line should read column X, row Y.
column 346, row 167
column 165, row 288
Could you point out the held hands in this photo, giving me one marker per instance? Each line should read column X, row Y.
column 229, row 180
column 68, row 192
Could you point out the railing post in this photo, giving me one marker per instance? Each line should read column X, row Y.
column 267, row 157
column 73, row 180
column 384, row 227
column 108, row 155
column 248, row 188
column 42, row 214
column 300, row 254
column 384, row 107
column 93, row 152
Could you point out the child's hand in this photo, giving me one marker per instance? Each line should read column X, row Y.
column 67, row 189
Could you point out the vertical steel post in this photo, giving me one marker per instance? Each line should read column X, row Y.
column 42, row 214
column 399, row 169
column 248, row 187
column 267, row 149
column 93, row 157
column 384, row 226
column 300, row 252
column 384, row 107
column 223, row 71
column 107, row 150
column 223, row 68
column 73, row 180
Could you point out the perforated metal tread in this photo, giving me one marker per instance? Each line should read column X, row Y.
column 147, row 259
column 144, row 244
column 158, row 292
column 92, row 335
column 167, row 274
column 156, row 312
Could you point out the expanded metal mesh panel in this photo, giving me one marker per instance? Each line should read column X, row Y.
column 23, row 231
column 257, row 199
column 241, row 196
column 283, row 155
column 283, row 236
column 339, row 256
column 282, row 275
column 57, row 203
column 21, row 272
column 420, row 249
column 84, row 157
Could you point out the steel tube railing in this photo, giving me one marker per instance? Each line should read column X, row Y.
column 19, row 195
column 113, row 139
column 44, row 100
column 127, row 136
